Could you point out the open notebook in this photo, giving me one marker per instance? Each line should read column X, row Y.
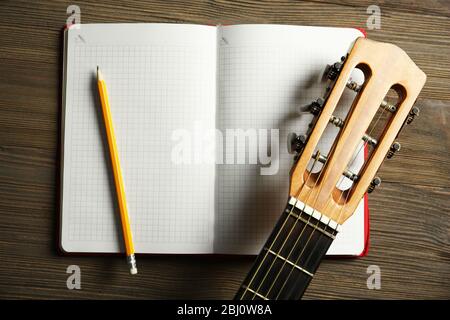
column 190, row 188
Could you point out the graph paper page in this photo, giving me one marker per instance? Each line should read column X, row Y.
column 161, row 81
column 266, row 72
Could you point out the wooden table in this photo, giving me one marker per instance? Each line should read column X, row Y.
column 409, row 213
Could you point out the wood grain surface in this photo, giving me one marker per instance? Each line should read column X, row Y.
column 409, row 213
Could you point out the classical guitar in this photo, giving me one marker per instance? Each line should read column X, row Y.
column 316, row 206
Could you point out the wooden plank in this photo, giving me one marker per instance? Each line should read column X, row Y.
column 429, row 7
column 423, row 158
column 423, row 35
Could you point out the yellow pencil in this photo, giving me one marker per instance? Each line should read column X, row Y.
column 118, row 181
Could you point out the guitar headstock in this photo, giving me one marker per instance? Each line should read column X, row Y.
column 386, row 68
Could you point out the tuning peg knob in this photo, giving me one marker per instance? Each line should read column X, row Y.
column 316, row 106
column 295, row 143
column 375, row 183
column 396, row 146
column 354, row 86
column 412, row 114
column 332, row 71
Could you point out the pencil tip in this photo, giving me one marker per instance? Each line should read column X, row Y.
column 99, row 74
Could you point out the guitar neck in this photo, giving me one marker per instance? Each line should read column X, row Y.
column 290, row 256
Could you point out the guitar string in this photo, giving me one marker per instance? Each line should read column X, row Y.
column 282, row 227
column 348, row 194
column 321, row 214
column 299, row 237
column 293, row 226
column 301, row 253
column 276, row 237
column 287, row 218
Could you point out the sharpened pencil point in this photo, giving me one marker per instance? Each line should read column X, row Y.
column 99, row 74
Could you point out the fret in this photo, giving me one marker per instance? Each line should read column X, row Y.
column 255, row 292
column 289, row 262
column 290, row 257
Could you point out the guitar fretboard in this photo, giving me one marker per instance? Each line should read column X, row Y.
column 291, row 255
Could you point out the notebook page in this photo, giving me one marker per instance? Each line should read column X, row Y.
column 266, row 72
column 161, row 79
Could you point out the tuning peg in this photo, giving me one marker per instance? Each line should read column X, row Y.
column 375, row 183
column 394, row 148
column 295, row 143
column 332, row 71
column 338, row 122
column 347, row 173
column 388, row 106
column 412, row 114
column 353, row 85
column 316, row 106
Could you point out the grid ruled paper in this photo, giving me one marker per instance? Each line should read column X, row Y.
column 165, row 77
column 266, row 73
column 160, row 78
